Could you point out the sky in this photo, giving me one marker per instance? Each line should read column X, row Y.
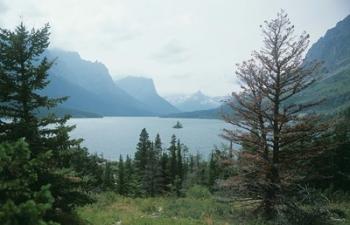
column 183, row 45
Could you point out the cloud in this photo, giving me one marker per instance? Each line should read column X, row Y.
column 181, row 76
column 119, row 34
column 172, row 52
column 3, row 7
column 3, row 10
column 197, row 41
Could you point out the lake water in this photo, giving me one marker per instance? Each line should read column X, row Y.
column 112, row 136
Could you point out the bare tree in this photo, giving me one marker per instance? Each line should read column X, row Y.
column 267, row 123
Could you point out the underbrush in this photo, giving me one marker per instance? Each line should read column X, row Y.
column 197, row 208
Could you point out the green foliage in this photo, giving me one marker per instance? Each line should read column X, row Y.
column 198, row 192
column 159, row 172
column 121, row 183
column 197, row 172
column 131, row 184
column 21, row 202
column 155, row 211
column 108, row 178
column 202, row 210
column 310, row 207
column 172, row 159
column 59, row 161
column 141, row 153
column 214, row 168
column 331, row 169
column 152, row 177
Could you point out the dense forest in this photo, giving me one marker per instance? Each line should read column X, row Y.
column 292, row 166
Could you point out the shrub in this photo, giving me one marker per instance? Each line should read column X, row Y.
column 198, row 192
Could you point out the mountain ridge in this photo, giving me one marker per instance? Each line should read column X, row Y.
column 144, row 90
column 333, row 49
column 193, row 102
column 89, row 86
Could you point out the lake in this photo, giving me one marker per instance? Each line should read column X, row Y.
column 112, row 136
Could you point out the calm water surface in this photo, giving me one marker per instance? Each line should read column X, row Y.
column 112, row 136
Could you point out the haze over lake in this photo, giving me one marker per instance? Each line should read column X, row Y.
column 112, row 136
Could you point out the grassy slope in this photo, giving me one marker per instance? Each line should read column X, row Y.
column 112, row 209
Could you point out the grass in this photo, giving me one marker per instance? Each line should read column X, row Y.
column 112, row 209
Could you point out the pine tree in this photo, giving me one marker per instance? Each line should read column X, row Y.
column 142, row 151
column 191, row 164
column 19, row 202
column 341, row 153
column 108, row 178
column 179, row 180
column 213, row 173
column 121, row 183
column 131, row 183
column 269, row 124
column 172, row 159
column 158, row 145
column 23, row 73
column 180, row 166
column 142, row 158
column 165, row 173
column 152, row 180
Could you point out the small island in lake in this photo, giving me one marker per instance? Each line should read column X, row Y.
column 178, row 125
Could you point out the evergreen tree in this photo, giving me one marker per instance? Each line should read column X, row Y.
column 191, row 164
column 185, row 160
column 165, row 173
column 214, row 170
column 142, row 158
column 180, row 167
column 267, row 120
column 108, row 178
column 88, row 166
column 121, row 183
column 152, row 179
column 131, row 183
column 341, row 153
column 332, row 168
column 19, row 202
column 179, row 180
column 142, row 151
column 172, row 159
column 158, row 145
column 23, row 73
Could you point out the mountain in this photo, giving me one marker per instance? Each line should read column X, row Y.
column 194, row 102
column 89, row 86
column 143, row 90
column 62, row 111
column 199, row 114
column 333, row 49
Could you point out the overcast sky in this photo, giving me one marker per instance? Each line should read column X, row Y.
column 184, row 45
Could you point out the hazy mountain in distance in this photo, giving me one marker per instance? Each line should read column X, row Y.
column 333, row 49
column 143, row 89
column 89, row 86
column 193, row 102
